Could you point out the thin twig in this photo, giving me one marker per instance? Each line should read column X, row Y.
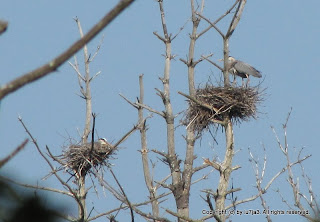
column 218, row 20
column 213, row 63
column 123, row 138
column 63, row 183
column 98, row 48
column 212, row 24
column 13, row 153
column 124, row 194
column 7, row 179
column 236, row 17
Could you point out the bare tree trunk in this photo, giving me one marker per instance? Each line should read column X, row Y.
column 172, row 159
column 226, row 165
column 226, row 63
column 226, row 168
column 183, row 201
column 144, row 154
column 87, row 94
column 82, row 197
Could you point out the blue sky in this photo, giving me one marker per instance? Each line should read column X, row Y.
column 280, row 38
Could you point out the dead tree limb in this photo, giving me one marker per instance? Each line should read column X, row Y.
column 63, row 183
column 62, row 58
column 3, row 26
column 13, row 153
column 144, row 153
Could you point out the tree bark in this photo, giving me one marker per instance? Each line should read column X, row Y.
column 226, row 168
column 144, row 154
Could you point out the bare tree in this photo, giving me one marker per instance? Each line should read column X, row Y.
column 81, row 159
column 210, row 106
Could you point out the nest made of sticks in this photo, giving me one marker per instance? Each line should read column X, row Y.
column 212, row 103
column 82, row 158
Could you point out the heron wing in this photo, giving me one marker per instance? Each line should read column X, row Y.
column 245, row 68
column 233, row 71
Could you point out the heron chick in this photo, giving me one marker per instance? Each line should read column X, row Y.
column 242, row 69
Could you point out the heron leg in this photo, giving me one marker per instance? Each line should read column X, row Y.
column 242, row 82
column 248, row 80
column 234, row 81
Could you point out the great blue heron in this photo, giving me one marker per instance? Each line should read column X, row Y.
column 101, row 145
column 242, row 69
column 103, row 141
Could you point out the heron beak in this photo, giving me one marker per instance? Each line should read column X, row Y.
column 220, row 60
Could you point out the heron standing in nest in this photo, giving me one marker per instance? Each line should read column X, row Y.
column 242, row 69
column 101, row 145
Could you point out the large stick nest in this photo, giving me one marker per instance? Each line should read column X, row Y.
column 213, row 103
column 82, row 158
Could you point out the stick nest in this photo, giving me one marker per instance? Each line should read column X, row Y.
column 82, row 158
column 213, row 103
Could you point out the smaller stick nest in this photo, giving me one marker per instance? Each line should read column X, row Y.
column 81, row 158
column 213, row 103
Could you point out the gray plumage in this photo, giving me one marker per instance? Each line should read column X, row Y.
column 242, row 69
column 101, row 146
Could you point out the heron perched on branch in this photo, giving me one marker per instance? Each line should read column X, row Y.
column 242, row 69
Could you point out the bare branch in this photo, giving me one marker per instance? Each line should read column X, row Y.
column 259, row 179
column 134, row 128
column 138, row 105
column 128, row 101
column 218, row 20
column 284, row 169
column 313, row 204
column 212, row 24
column 163, row 21
column 92, row 78
column 77, row 70
column 236, row 17
column 98, row 48
column 184, row 61
column 179, row 30
column 215, row 165
column 149, row 216
column 162, row 181
column 196, row 169
column 3, row 26
column 169, row 187
column 184, row 218
column 124, row 207
column 36, row 187
column 124, row 194
column 87, row 92
column 213, row 63
column 202, row 58
column 159, row 37
column 150, row 109
column 13, row 153
column 62, row 58
column 165, row 155
column 278, row 140
column 144, row 153
column 63, row 183
column 204, row 177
